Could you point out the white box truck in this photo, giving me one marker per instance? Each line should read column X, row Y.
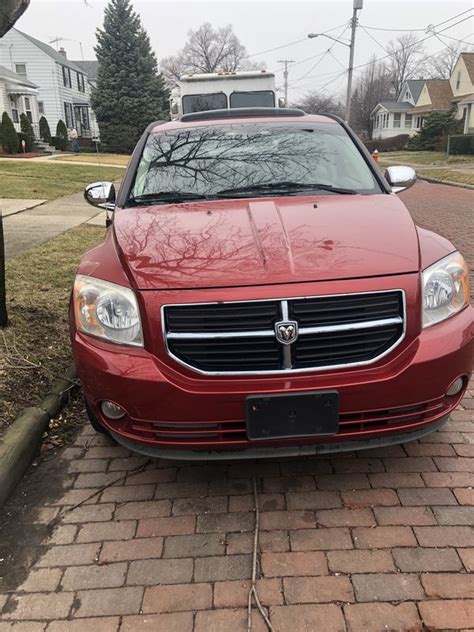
column 223, row 90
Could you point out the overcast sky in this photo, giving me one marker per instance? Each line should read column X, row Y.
column 260, row 26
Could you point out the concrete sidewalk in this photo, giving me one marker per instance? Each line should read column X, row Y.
column 11, row 206
column 31, row 227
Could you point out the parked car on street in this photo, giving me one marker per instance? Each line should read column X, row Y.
column 263, row 291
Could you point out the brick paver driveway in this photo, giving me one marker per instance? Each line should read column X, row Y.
column 99, row 540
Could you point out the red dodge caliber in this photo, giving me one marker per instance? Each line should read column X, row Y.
column 263, row 291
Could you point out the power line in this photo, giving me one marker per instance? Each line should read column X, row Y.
column 423, row 30
column 322, row 55
column 373, row 39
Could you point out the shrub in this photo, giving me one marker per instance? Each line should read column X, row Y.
column 60, row 140
column 434, row 133
column 8, row 135
column 45, row 132
column 394, row 143
column 461, row 145
column 27, row 131
column 119, row 138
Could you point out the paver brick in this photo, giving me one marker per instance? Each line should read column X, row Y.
column 370, row 498
column 467, row 557
column 174, row 622
column 79, row 465
column 360, row 561
column 396, row 480
column 449, row 586
column 465, row 496
column 151, row 477
column 38, row 606
column 234, row 594
column 289, row 484
column 448, row 614
column 426, row 496
column 359, row 465
column 96, row 576
column 108, row 601
column 138, row 549
column 266, row 502
column 410, row 464
column 383, row 537
column 454, row 464
column 268, row 541
column 445, row 536
column 271, row 520
column 173, row 525
column 40, row 580
column 313, row 500
column 195, row 506
column 143, row 509
column 212, row 569
column 387, row 587
column 128, row 492
column 69, row 555
column 454, row 515
column 180, row 490
column 226, row 522
column 152, row 572
column 89, row 513
column 100, row 531
column 448, row 479
column 321, row 539
column 63, row 534
column 294, row 564
column 93, row 624
column 419, row 560
column 408, row 516
column 97, row 479
column 464, row 449
column 22, row 626
column 232, row 620
column 327, row 617
column 176, row 598
column 374, row 617
column 229, row 487
column 197, row 545
column 345, row 518
column 317, row 589
column 429, row 449
column 343, row 482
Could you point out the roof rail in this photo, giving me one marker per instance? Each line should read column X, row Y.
column 210, row 115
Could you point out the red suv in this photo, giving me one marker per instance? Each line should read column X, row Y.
column 262, row 291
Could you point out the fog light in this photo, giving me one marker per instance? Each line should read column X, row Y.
column 456, row 387
column 111, row 410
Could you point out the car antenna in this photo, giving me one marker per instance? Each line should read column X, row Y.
column 96, row 141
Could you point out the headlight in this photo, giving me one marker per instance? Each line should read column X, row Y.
column 107, row 310
column 445, row 287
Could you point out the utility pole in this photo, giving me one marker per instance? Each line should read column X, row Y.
column 358, row 4
column 285, row 76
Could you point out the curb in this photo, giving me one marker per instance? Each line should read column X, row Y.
column 447, row 182
column 20, row 442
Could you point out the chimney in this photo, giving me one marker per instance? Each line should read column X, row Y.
column 62, row 52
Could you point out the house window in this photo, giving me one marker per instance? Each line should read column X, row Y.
column 386, row 119
column 419, row 122
column 397, row 119
column 69, row 115
column 14, row 108
column 458, row 80
column 407, row 95
column 80, row 83
column 28, row 111
column 41, row 107
column 67, row 77
column 408, row 120
column 20, row 69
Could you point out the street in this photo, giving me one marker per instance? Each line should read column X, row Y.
column 97, row 539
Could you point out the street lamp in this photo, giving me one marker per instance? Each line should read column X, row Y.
column 357, row 5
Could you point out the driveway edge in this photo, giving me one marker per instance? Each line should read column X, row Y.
column 447, row 182
column 20, row 442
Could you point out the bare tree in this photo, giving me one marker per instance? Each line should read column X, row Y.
column 372, row 86
column 10, row 11
column 207, row 50
column 407, row 59
column 315, row 102
column 442, row 65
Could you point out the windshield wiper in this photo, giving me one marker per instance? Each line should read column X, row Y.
column 166, row 196
column 286, row 186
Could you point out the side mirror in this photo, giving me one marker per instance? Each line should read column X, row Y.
column 101, row 194
column 281, row 102
column 400, row 178
column 174, row 108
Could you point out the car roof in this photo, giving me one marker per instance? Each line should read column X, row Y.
column 178, row 124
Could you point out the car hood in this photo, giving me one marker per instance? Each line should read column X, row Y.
column 260, row 241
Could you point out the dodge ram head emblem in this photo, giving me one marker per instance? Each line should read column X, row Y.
column 286, row 331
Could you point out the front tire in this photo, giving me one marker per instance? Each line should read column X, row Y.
column 94, row 422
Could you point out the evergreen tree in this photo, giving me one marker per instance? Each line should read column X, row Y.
column 60, row 141
column 130, row 92
column 27, row 131
column 9, row 136
column 45, row 132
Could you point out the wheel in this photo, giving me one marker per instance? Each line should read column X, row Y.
column 95, row 423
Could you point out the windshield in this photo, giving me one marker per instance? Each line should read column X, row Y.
column 261, row 98
column 203, row 102
column 213, row 160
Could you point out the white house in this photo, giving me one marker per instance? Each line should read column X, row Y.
column 462, row 85
column 63, row 89
column 18, row 96
column 396, row 117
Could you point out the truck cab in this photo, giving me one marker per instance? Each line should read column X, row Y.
column 223, row 90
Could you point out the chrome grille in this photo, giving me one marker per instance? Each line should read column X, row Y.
column 242, row 337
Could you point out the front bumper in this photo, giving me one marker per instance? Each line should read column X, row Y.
column 173, row 412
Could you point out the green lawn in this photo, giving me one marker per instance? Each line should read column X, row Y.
column 450, row 175
column 44, row 180
column 437, row 158
column 120, row 160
